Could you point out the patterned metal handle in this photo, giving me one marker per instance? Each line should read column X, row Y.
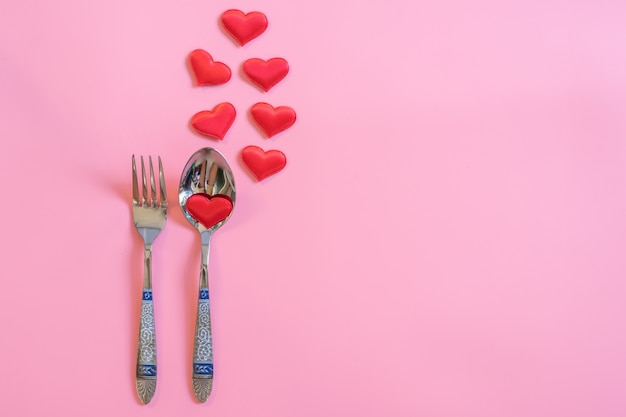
column 203, row 349
column 146, row 375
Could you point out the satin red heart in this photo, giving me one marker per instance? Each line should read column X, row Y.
column 244, row 27
column 209, row 210
column 215, row 123
column 273, row 120
column 266, row 74
column 261, row 163
column 207, row 71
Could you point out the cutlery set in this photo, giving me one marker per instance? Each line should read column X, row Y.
column 207, row 197
column 206, row 192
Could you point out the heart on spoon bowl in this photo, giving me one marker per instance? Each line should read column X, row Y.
column 215, row 123
column 207, row 71
column 263, row 164
column 273, row 120
column 244, row 27
column 266, row 74
column 209, row 210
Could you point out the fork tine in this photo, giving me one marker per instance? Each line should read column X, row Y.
column 163, row 194
column 153, row 194
column 144, row 189
column 135, row 187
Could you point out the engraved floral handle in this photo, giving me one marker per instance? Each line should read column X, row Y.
column 202, row 374
column 146, row 374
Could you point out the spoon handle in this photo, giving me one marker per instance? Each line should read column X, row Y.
column 203, row 349
column 146, row 374
column 202, row 377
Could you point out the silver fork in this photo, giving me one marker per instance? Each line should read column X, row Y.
column 149, row 216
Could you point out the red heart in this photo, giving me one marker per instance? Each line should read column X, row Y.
column 207, row 71
column 273, row 120
column 244, row 27
column 215, row 123
column 209, row 210
column 266, row 74
column 263, row 164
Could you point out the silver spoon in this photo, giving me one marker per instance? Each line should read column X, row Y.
column 207, row 172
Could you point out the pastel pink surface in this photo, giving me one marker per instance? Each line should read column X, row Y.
column 448, row 239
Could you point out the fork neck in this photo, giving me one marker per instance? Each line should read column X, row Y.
column 147, row 266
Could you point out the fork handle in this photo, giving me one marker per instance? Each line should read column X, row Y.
column 146, row 374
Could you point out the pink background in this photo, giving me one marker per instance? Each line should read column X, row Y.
column 447, row 239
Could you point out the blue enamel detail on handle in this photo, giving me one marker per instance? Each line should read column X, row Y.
column 146, row 370
column 203, row 368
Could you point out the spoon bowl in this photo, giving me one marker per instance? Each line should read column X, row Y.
column 207, row 172
column 206, row 179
